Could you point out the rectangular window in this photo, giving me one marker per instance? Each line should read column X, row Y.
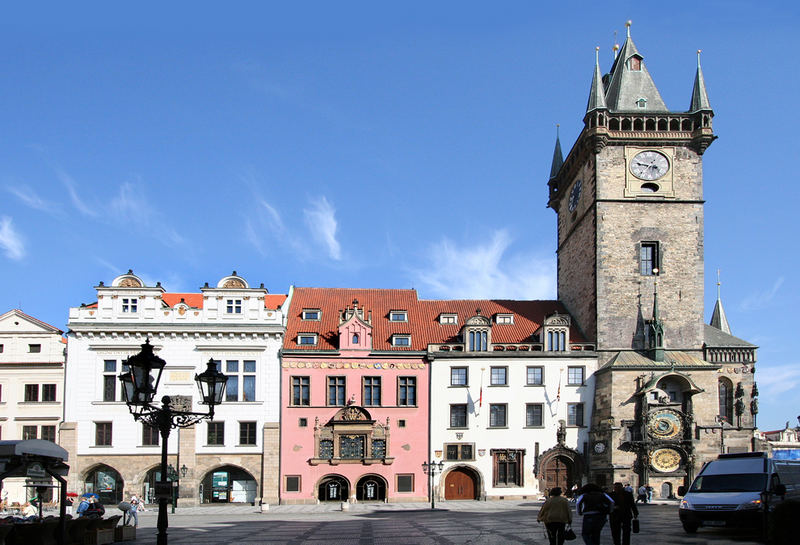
column 649, row 258
column 302, row 422
column 407, row 391
column 499, row 376
column 351, row 446
column 1, row 348
column 533, row 415
column 102, row 434
column 300, row 391
column 478, row 341
column 401, row 340
column 130, row 304
column 247, row 433
column 535, row 376
column 216, row 434
column 31, row 392
column 497, row 415
column 575, row 414
column 458, row 376
column 336, row 390
column 150, row 436
column 241, row 380
column 34, row 348
column 48, row 392
column 48, row 433
column 448, row 319
column 398, row 316
column 110, row 380
column 379, row 448
column 311, row 314
column 405, row 483
column 458, row 415
column 292, row 483
column 575, row 376
column 504, row 318
column 557, row 341
column 249, row 381
column 326, row 449
column 372, row 391
column 233, row 306
column 507, row 467
column 29, row 432
column 307, row 339
column 459, row 451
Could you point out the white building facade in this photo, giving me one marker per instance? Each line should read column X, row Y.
column 232, row 459
column 31, row 385
column 511, row 404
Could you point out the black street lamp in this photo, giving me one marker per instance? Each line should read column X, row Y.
column 172, row 476
column 139, row 387
column 432, row 469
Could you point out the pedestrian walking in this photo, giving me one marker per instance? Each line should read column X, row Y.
column 649, row 493
column 556, row 515
column 642, row 497
column 623, row 512
column 593, row 504
column 83, row 506
column 133, row 512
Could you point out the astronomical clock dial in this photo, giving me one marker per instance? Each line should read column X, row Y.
column 575, row 196
column 649, row 165
column 665, row 460
column 599, row 447
column 664, row 424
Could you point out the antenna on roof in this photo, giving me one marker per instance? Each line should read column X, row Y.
column 615, row 47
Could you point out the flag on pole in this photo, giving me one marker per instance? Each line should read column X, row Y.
column 480, row 396
column 558, row 394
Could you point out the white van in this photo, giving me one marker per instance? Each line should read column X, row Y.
column 738, row 490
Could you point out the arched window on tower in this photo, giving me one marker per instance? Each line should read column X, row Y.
column 725, row 389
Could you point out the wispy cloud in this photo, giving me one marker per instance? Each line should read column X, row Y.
column 484, row 270
column 10, row 240
column 321, row 221
column 29, row 197
column 774, row 380
column 72, row 191
column 131, row 207
column 760, row 299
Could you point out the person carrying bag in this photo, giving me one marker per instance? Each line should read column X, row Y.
column 624, row 513
column 593, row 504
column 556, row 515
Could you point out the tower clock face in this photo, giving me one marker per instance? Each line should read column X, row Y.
column 649, row 165
column 575, row 196
column 664, row 425
column 665, row 460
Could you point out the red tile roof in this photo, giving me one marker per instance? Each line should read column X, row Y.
column 423, row 317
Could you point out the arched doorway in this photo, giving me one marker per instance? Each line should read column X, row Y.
column 149, row 485
column 106, row 482
column 333, row 488
column 559, row 471
column 461, row 483
column 371, row 488
column 228, row 484
column 666, row 490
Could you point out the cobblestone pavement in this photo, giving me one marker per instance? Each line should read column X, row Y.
column 452, row 523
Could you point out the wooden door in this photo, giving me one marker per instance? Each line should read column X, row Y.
column 459, row 485
column 558, row 472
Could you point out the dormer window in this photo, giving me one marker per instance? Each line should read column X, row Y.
column 398, row 316
column 556, row 341
column 504, row 319
column 478, row 340
column 307, row 339
column 477, row 333
column 641, row 103
column 401, row 340
column 555, row 333
column 233, row 306
column 355, row 338
column 448, row 319
column 635, row 63
column 130, row 304
column 312, row 314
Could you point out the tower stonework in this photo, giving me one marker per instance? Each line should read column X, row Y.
column 629, row 201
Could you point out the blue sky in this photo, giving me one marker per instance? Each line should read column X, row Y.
column 357, row 145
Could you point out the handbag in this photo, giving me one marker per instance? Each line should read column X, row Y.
column 569, row 534
column 635, row 526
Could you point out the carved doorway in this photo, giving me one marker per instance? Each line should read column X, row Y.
column 333, row 488
column 559, row 471
column 371, row 488
column 460, row 484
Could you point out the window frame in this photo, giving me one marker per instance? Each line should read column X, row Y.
column 459, row 449
column 409, row 476
column 466, row 377
column 130, row 305
column 498, row 368
column 103, row 434
column 31, row 393
column 401, row 340
column 398, row 316
column 49, row 429
column 375, row 385
column 311, row 336
column 448, row 318
column 233, row 306
column 148, row 434
column 455, row 426
column 406, row 384
column 218, row 433
column 30, row 432
column 34, row 348
column 300, row 390
column 478, row 339
column 308, row 311
column 49, row 393
column 343, row 386
column 245, row 429
column 286, row 483
column 504, row 318
column 572, row 419
column 528, row 406
column 497, row 406
column 582, row 369
column 648, row 264
column 530, row 368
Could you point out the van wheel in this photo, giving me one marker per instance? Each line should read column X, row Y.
column 690, row 528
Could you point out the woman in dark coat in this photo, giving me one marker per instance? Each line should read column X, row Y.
column 624, row 511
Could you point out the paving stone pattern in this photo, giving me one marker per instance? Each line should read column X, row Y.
column 452, row 523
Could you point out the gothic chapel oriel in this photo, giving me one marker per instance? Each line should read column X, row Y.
column 671, row 392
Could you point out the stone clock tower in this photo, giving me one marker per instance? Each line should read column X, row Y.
column 629, row 200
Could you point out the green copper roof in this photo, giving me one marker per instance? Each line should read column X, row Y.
column 558, row 159
column 699, row 94
column 716, row 338
column 672, row 358
column 628, row 85
column 597, row 94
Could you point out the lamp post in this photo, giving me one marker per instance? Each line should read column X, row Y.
column 432, row 469
column 172, row 477
column 139, row 388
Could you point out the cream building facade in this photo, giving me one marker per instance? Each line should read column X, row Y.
column 232, row 459
column 31, row 385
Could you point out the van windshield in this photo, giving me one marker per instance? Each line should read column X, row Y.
column 739, row 482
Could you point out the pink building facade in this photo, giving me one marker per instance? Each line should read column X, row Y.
column 354, row 397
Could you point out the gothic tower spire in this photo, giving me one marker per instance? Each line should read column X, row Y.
column 597, row 93
column 718, row 318
column 558, row 157
column 630, row 86
column 699, row 94
column 656, row 329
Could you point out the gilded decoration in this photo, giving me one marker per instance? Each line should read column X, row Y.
column 664, row 424
column 130, row 283
column 665, row 460
column 233, row 283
